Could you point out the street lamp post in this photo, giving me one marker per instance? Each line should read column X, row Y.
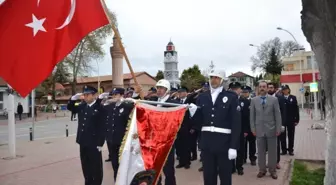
column 301, row 80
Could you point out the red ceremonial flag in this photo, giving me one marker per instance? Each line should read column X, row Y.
column 35, row 35
column 150, row 137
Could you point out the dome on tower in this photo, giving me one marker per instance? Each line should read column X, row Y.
column 170, row 43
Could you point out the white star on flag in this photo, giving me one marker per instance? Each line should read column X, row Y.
column 37, row 25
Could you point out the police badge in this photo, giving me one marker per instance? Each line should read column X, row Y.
column 144, row 178
column 225, row 99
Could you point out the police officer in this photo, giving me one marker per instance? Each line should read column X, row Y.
column 292, row 118
column 182, row 142
column 90, row 134
column 117, row 117
column 250, row 139
column 218, row 117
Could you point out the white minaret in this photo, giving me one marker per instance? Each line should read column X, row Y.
column 171, row 72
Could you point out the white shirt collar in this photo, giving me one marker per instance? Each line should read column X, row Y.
column 163, row 99
column 119, row 102
column 90, row 105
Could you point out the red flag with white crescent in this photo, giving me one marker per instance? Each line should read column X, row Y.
column 37, row 34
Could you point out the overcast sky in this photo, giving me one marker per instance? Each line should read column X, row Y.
column 217, row 30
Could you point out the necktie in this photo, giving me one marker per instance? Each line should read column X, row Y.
column 263, row 100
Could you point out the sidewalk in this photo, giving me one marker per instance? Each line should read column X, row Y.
column 56, row 162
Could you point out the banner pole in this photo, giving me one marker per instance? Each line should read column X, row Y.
column 117, row 34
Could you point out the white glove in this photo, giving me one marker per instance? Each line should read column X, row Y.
column 76, row 96
column 103, row 95
column 129, row 100
column 282, row 129
column 192, row 109
column 232, row 154
column 99, row 148
column 135, row 95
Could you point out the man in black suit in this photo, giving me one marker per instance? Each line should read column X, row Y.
column 292, row 118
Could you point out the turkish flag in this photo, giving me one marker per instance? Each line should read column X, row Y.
column 35, row 35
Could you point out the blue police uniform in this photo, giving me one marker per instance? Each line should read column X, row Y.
column 291, row 116
column 250, row 139
column 117, row 117
column 182, row 142
column 218, row 121
column 90, row 135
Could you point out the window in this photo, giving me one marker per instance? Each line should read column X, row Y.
column 1, row 100
column 309, row 62
column 242, row 79
column 289, row 67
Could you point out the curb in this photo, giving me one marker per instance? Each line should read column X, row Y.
column 288, row 173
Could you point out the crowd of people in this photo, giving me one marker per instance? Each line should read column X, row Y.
column 228, row 128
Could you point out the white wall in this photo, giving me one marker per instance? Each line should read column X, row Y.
column 17, row 99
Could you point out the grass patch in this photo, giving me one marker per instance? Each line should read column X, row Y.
column 307, row 173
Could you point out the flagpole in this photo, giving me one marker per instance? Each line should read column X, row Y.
column 117, row 34
column 33, row 112
column 158, row 103
column 11, row 123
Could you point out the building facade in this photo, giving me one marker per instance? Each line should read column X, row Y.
column 242, row 78
column 4, row 99
column 171, row 72
column 300, row 62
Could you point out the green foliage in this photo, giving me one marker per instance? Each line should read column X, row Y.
column 192, row 78
column 273, row 66
column 274, row 78
column 159, row 75
column 281, row 49
column 304, row 176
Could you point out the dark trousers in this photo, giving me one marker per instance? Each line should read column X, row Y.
column 20, row 116
column 215, row 164
column 250, row 146
column 238, row 163
column 169, row 169
column 92, row 165
column 114, row 156
column 193, row 144
column 290, row 133
column 73, row 115
column 182, row 144
column 278, row 149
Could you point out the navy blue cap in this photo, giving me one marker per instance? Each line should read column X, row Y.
column 153, row 89
column 234, row 85
column 285, row 87
column 89, row 90
column 183, row 89
column 117, row 90
column 246, row 88
column 205, row 84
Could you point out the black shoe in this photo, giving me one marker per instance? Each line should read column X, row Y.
column 233, row 171
column 194, row 158
column 108, row 160
column 177, row 158
column 291, row 153
column 240, row 172
column 283, row 153
column 200, row 169
column 187, row 166
column 179, row 166
column 253, row 163
column 245, row 161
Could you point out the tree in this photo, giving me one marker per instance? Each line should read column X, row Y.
column 192, row 78
column 318, row 25
column 88, row 50
column 273, row 66
column 281, row 49
column 159, row 75
column 260, row 77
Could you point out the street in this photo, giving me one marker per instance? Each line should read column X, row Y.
column 52, row 128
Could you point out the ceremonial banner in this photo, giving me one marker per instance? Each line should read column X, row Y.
column 151, row 134
column 35, row 35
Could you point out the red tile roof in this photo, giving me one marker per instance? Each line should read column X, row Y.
column 239, row 74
